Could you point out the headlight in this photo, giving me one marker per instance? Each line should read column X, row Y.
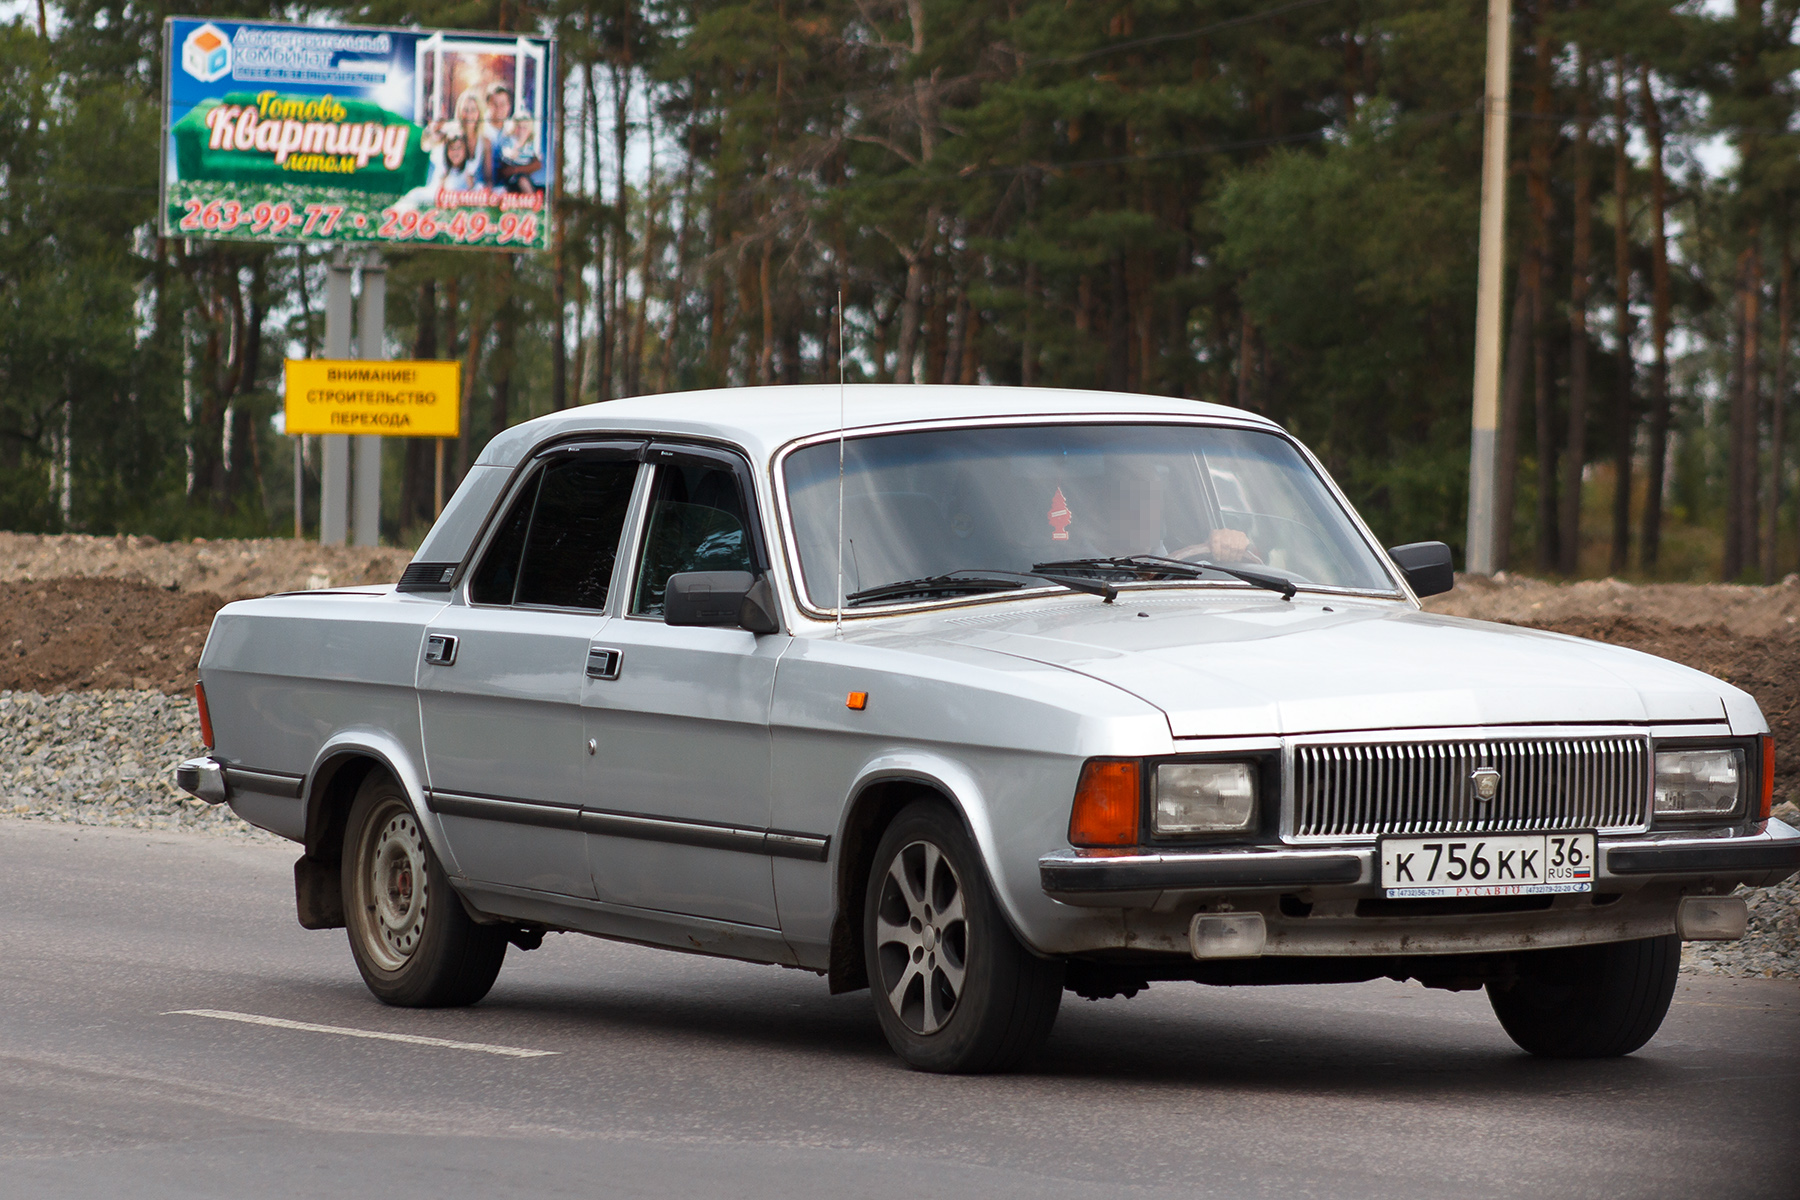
column 1698, row 783
column 1204, row 798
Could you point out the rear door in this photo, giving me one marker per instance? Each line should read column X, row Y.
column 502, row 682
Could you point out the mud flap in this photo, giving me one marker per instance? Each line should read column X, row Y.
column 318, row 893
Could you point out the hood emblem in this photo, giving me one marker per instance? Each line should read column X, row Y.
column 1486, row 782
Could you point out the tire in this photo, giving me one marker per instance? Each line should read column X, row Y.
column 414, row 944
column 1589, row 1001
column 954, row 990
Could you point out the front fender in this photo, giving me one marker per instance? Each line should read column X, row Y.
column 367, row 742
column 1011, row 869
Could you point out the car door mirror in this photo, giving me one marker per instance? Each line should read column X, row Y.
column 1426, row 565
column 727, row 598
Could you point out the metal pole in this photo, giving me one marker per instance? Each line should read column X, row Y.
column 334, row 465
column 437, row 483
column 299, row 487
column 371, row 327
column 1483, row 447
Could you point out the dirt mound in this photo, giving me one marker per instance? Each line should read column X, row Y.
column 246, row 567
column 1741, row 609
column 101, row 633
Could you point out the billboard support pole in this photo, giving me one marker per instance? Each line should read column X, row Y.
column 334, row 467
column 372, row 327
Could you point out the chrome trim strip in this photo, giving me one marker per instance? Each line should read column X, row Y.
column 777, row 843
column 268, row 783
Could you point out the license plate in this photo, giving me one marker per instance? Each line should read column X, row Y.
column 1524, row 864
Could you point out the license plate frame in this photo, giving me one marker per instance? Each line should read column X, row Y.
column 1445, row 866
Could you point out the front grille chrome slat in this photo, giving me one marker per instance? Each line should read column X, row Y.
column 1355, row 791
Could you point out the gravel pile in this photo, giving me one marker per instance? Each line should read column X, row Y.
column 109, row 757
column 105, row 758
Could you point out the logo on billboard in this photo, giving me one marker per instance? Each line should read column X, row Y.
column 206, row 54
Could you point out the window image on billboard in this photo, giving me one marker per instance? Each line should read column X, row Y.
column 304, row 133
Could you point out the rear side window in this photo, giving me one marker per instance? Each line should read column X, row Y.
column 559, row 541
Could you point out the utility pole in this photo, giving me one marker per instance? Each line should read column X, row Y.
column 372, row 347
column 334, row 448
column 1483, row 459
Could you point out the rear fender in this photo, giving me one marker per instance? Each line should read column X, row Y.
column 345, row 749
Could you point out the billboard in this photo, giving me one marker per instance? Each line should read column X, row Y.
column 312, row 133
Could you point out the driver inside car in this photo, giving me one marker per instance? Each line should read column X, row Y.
column 1129, row 514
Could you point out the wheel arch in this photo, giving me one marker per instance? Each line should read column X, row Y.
column 883, row 788
column 339, row 770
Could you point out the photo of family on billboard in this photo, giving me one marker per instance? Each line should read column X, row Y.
column 478, row 111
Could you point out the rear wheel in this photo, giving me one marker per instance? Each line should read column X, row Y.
column 953, row 988
column 1589, row 1001
column 413, row 943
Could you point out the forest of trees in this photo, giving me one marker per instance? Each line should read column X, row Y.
column 1268, row 203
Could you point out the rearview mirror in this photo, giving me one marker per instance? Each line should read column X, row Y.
column 720, row 598
column 1426, row 565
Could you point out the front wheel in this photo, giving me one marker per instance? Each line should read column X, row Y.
column 953, row 988
column 412, row 941
column 1589, row 1001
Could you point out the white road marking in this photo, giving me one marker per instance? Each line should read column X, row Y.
column 410, row 1039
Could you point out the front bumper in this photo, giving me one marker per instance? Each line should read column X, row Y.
column 1143, row 880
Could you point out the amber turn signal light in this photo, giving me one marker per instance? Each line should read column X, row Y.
column 1106, row 803
column 206, row 737
column 1768, row 776
column 857, row 700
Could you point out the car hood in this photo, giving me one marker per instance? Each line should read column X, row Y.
column 1223, row 667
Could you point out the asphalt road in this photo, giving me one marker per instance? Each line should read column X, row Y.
column 686, row 1077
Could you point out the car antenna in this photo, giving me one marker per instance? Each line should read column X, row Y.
column 839, row 610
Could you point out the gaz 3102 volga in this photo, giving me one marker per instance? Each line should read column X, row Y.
column 972, row 696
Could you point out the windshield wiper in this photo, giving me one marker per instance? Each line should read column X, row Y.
column 1139, row 563
column 976, row 580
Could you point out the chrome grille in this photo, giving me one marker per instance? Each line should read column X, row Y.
column 1424, row 787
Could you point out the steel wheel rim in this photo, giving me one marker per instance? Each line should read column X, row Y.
column 922, row 937
column 395, row 886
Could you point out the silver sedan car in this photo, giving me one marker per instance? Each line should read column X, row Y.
column 971, row 696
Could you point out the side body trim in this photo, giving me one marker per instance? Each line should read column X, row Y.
column 269, row 783
column 778, row 843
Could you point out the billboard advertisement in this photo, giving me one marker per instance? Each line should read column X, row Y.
column 312, row 133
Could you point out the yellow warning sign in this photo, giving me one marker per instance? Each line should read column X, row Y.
column 396, row 399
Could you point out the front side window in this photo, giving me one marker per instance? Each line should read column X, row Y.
column 697, row 523
column 1011, row 499
column 558, row 542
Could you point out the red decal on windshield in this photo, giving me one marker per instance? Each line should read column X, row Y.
column 1060, row 516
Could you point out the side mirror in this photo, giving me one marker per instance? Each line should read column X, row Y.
column 1426, row 565
column 720, row 598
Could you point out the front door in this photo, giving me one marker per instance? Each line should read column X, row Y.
column 679, row 793
column 500, row 689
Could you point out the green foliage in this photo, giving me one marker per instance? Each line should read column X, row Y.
column 1269, row 205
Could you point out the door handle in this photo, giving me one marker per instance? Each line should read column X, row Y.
column 603, row 662
column 440, row 649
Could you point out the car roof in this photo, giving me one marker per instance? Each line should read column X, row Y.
column 762, row 419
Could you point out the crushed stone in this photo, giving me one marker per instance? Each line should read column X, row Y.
column 106, row 758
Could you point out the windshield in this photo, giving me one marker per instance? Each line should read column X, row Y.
column 920, row 505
